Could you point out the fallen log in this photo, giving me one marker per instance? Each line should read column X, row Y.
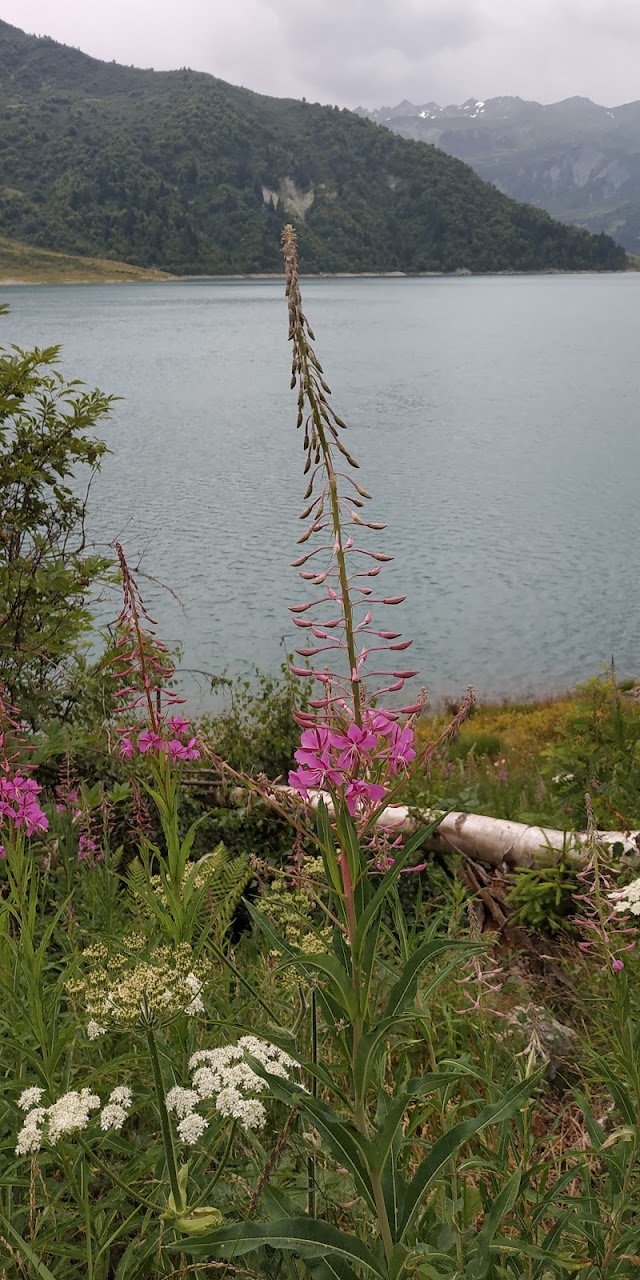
column 500, row 842
column 494, row 841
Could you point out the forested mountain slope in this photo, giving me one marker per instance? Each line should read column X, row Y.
column 182, row 171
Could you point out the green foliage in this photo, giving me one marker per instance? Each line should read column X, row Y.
column 541, row 898
column 481, row 744
column 47, row 571
column 210, row 892
column 256, row 732
column 177, row 170
column 599, row 755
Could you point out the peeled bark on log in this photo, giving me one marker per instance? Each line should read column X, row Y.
column 498, row 842
column 495, row 841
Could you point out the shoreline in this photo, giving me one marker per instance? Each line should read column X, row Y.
column 277, row 276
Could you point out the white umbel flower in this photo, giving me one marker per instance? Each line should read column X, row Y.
column 627, row 900
column 225, row 1075
column 30, row 1135
column 112, row 1117
column 114, row 1114
column 247, row 1111
column 122, row 1096
column 182, row 1101
column 192, row 1127
column 71, row 1113
column 30, row 1098
column 94, row 1030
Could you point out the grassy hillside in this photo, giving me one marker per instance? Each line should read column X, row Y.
column 26, row 264
column 182, row 171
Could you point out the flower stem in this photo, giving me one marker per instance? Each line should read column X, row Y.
column 342, row 564
column 167, row 1137
column 311, row 1159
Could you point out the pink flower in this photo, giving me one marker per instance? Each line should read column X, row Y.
column 178, row 724
column 319, row 764
column 617, row 966
column 316, row 740
column 305, row 780
column 177, row 750
column 380, row 723
column 86, row 848
column 149, row 741
column 126, row 748
column 34, row 819
column 359, row 793
column 353, row 744
column 402, row 751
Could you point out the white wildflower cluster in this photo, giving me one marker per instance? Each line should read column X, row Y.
column 131, row 988
column 196, row 1005
column 224, row 1074
column 115, row 1113
column 70, row 1114
column 563, row 777
column 627, row 900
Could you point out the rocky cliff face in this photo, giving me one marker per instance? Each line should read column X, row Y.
column 578, row 160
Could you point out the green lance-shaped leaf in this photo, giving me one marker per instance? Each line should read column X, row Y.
column 511, row 1248
column 406, row 986
column 271, row 933
column 331, row 1268
column 383, row 1141
column 381, row 893
column 307, row 1236
column 344, row 1141
column 39, row 1268
column 328, row 846
column 371, row 1047
column 349, row 842
column 450, row 1142
column 329, row 968
column 618, row 1089
column 478, row 1265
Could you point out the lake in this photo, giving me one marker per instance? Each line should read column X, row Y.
column 496, row 424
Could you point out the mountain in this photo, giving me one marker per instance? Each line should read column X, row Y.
column 24, row 264
column 182, row 171
column 577, row 160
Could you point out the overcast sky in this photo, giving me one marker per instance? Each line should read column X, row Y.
column 372, row 52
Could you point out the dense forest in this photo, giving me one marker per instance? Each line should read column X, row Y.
column 182, row 171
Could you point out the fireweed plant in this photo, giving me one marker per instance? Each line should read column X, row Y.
column 371, row 990
column 154, row 735
column 21, row 818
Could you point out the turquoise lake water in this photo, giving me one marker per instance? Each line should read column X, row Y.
column 496, row 421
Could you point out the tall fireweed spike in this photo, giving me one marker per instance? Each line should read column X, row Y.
column 144, row 672
column 349, row 745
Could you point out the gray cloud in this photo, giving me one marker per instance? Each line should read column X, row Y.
column 368, row 51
